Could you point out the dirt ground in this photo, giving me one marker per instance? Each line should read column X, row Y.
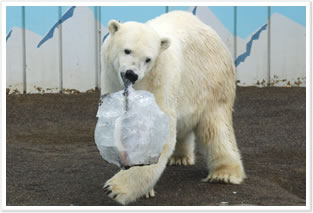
column 52, row 158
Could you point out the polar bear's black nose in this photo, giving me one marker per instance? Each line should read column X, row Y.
column 130, row 75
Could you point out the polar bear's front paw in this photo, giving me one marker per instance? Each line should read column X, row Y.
column 185, row 160
column 226, row 175
column 121, row 197
column 120, row 189
column 128, row 185
column 117, row 192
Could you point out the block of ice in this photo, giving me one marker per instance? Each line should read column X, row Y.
column 131, row 130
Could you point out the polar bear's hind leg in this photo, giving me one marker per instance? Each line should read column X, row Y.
column 184, row 151
column 216, row 136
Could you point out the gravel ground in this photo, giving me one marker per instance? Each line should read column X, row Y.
column 52, row 158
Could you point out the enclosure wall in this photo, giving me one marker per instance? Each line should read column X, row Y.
column 57, row 49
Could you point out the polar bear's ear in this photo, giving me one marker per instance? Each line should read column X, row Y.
column 113, row 26
column 165, row 43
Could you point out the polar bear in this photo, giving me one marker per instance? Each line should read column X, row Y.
column 187, row 67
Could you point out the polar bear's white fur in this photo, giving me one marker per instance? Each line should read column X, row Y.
column 192, row 76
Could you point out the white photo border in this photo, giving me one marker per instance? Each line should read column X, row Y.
column 306, row 208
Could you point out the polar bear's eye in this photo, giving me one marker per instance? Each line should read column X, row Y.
column 148, row 60
column 127, row 51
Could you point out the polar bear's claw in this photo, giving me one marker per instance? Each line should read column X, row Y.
column 225, row 177
column 114, row 194
column 150, row 194
column 128, row 185
column 185, row 161
column 105, row 187
column 108, row 191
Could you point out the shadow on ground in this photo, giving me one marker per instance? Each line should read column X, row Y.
column 52, row 158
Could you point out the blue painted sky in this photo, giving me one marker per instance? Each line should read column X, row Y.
column 296, row 13
column 13, row 18
column 171, row 8
column 38, row 19
column 225, row 15
column 41, row 19
column 250, row 19
column 123, row 14
column 64, row 9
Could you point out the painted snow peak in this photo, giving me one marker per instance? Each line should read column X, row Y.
column 131, row 129
column 255, row 36
column 9, row 35
column 66, row 16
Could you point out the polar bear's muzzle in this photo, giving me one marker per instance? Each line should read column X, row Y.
column 130, row 75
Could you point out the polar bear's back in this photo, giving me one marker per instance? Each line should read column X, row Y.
column 208, row 73
column 183, row 26
column 176, row 22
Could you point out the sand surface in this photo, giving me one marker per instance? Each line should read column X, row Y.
column 52, row 158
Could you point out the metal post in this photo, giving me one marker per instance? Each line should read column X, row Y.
column 60, row 52
column 99, row 44
column 24, row 50
column 96, row 46
column 235, row 32
column 269, row 46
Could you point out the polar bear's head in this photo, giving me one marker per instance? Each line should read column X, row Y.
column 134, row 49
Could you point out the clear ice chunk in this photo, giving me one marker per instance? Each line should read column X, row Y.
column 131, row 130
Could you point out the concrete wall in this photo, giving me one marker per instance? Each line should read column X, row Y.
column 54, row 49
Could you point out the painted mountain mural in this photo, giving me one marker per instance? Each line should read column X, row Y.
column 288, row 52
column 278, row 63
column 73, row 62
column 44, row 70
